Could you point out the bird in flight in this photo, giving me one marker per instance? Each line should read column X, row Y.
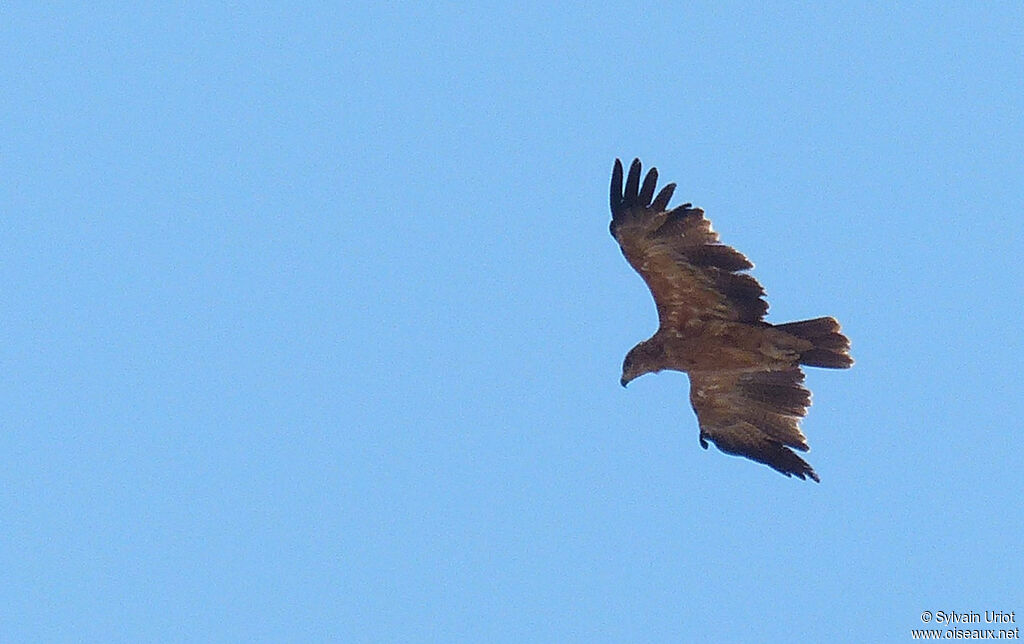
column 746, row 384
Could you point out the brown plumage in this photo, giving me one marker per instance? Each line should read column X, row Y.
column 746, row 385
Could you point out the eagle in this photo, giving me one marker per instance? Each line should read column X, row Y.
column 746, row 382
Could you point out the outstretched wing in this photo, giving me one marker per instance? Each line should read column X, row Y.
column 691, row 275
column 754, row 414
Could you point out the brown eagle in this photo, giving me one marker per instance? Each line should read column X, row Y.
column 745, row 378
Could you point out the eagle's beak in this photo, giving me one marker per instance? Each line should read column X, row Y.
column 623, row 382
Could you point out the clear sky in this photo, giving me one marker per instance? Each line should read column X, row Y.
column 312, row 326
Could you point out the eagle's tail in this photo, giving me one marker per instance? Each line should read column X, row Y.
column 831, row 348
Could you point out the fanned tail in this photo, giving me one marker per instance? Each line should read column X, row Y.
column 831, row 348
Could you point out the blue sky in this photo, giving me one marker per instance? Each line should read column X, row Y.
column 312, row 325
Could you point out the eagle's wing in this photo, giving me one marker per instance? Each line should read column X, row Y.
column 754, row 414
column 690, row 274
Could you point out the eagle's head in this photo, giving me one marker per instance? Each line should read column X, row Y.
column 646, row 357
